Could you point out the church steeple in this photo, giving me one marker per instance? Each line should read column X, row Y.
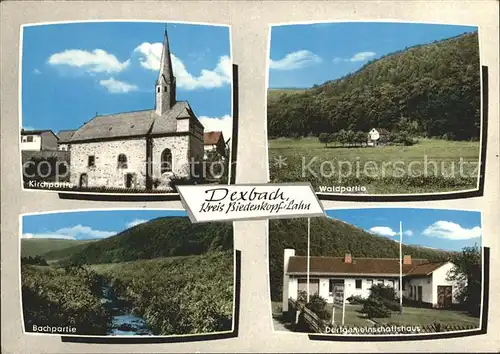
column 165, row 84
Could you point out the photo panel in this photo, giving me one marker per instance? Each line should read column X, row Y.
column 379, row 274
column 377, row 110
column 125, row 108
column 118, row 275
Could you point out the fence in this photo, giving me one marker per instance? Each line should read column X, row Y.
column 312, row 320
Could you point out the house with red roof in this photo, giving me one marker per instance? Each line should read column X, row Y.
column 424, row 282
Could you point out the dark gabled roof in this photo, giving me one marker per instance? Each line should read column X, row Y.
column 382, row 131
column 136, row 123
column 65, row 135
column 359, row 266
column 212, row 138
column 425, row 269
column 35, row 131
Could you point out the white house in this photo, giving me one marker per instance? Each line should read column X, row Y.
column 377, row 136
column 214, row 141
column 38, row 140
column 423, row 282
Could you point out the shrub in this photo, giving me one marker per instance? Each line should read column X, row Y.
column 374, row 308
column 317, row 304
column 355, row 300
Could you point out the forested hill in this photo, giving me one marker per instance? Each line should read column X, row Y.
column 430, row 90
column 330, row 237
column 162, row 237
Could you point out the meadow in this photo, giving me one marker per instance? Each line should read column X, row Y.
column 430, row 166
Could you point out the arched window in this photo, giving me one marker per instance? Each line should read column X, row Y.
column 166, row 161
column 122, row 161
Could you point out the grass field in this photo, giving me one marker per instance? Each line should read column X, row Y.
column 430, row 166
column 410, row 316
column 50, row 248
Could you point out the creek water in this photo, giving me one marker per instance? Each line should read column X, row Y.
column 124, row 321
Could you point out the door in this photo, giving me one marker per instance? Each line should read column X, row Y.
column 444, row 296
column 419, row 293
column 129, row 180
column 83, row 180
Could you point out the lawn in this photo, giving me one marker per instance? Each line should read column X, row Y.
column 410, row 316
column 432, row 165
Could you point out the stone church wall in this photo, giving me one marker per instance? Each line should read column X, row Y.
column 106, row 171
column 179, row 147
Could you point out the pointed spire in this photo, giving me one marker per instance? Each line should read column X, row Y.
column 166, row 63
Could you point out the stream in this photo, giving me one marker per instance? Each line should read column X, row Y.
column 124, row 321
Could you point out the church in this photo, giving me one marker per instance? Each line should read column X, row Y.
column 140, row 149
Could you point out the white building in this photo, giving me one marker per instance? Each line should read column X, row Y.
column 423, row 282
column 377, row 136
column 64, row 139
column 38, row 140
column 141, row 149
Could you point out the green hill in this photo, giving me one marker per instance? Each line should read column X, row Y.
column 31, row 247
column 335, row 238
column 162, row 237
column 432, row 90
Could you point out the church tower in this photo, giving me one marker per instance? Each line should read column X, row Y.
column 165, row 84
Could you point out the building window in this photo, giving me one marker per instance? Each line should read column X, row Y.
column 166, row 161
column 358, row 283
column 411, row 291
column 404, row 286
column 29, row 138
column 158, row 90
column 122, row 161
column 165, row 88
column 369, row 283
column 91, row 162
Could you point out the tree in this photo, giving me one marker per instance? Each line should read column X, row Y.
column 325, row 138
column 467, row 274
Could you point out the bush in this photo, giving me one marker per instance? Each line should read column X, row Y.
column 355, row 300
column 375, row 308
column 317, row 304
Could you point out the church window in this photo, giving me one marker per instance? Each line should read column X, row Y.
column 122, row 161
column 165, row 88
column 158, row 90
column 166, row 161
column 91, row 161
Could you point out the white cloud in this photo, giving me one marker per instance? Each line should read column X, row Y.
column 136, row 222
column 408, row 233
column 361, row 56
column 36, row 71
column 223, row 124
column 115, row 86
column 452, row 231
column 150, row 56
column 97, row 61
column 383, row 231
column 77, row 232
column 295, row 60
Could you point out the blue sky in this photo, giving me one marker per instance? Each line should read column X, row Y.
column 309, row 54
column 84, row 225
column 71, row 71
column 436, row 228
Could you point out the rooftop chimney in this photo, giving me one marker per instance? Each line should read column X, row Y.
column 348, row 258
column 407, row 259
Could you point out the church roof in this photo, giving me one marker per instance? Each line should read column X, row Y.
column 65, row 135
column 136, row 123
